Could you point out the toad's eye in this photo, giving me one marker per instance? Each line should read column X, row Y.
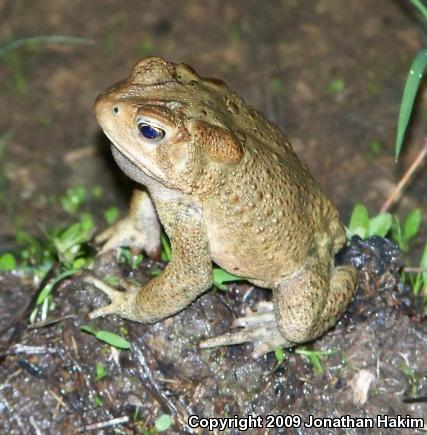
column 150, row 132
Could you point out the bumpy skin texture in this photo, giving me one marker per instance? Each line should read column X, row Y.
column 227, row 188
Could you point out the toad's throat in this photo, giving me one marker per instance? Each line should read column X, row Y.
column 136, row 163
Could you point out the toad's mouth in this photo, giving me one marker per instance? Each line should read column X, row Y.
column 132, row 160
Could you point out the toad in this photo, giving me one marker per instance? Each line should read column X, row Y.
column 228, row 188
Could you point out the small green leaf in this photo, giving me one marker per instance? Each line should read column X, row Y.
column 412, row 224
column 358, row 231
column 86, row 221
column 73, row 199
column 128, row 257
column 314, row 357
column 125, row 255
column 79, row 263
column 359, row 221
column 68, row 243
column 280, row 355
column 98, row 401
column 316, row 363
column 409, row 93
column 155, row 271
column 220, row 276
column 163, row 422
column 166, row 254
column 380, row 225
column 336, row 86
column 107, row 337
column 112, row 280
column 100, row 371
column 145, row 48
column 113, row 339
column 375, row 147
column 97, row 192
column 136, row 261
column 7, row 262
column 276, row 86
column 88, row 329
column 111, row 215
column 421, row 280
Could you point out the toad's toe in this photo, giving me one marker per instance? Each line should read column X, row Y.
column 122, row 303
column 259, row 328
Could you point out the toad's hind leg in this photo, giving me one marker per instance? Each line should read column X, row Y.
column 305, row 305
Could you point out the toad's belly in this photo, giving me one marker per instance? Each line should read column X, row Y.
column 250, row 256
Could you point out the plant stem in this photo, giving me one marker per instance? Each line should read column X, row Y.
column 398, row 190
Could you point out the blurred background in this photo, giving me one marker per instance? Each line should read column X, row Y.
column 330, row 73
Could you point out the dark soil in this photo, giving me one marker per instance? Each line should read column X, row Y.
column 48, row 379
column 330, row 73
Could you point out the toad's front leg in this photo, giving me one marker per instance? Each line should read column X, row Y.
column 188, row 274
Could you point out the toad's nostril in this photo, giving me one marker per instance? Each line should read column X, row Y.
column 115, row 109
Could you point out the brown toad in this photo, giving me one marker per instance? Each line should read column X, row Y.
column 227, row 187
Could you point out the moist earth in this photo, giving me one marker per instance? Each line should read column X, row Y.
column 166, row 372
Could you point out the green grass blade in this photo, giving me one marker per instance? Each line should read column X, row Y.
column 166, row 254
column 409, row 93
column 5, row 138
column 421, row 8
column 423, row 265
column 35, row 40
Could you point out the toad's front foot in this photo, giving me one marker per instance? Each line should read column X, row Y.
column 122, row 303
column 259, row 328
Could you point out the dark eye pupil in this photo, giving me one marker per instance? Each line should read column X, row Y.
column 149, row 132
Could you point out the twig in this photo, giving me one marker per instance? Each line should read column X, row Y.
column 414, row 270
column 422, row 399
column 161, row 398
column 30, row 350
column 58, row 398
column 103, row 424
column 147, row 377
column 398, row 190
column 34, row 425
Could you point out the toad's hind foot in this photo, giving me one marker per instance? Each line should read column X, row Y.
column 259, row 328
column 122, row 303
